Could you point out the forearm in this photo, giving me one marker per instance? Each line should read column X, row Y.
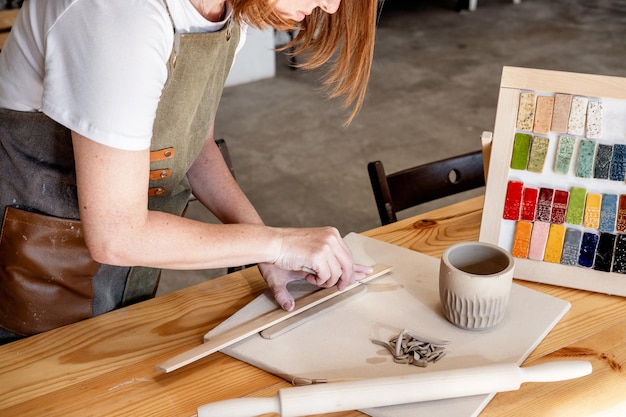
column 172, row 242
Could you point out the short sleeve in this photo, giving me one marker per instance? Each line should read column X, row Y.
column 106, row 65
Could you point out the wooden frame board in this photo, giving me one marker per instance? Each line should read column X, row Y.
column 495, row 228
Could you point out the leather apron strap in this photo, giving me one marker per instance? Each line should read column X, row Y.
column 198, row 68
column 38, row 176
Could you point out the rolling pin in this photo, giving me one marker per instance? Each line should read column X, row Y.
column 379, row 392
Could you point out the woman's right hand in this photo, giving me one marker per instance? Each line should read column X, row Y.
column 322, row 251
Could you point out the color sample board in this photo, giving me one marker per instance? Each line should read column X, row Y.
column 556, row 183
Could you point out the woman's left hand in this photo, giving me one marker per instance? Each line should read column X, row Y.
column 277, row 280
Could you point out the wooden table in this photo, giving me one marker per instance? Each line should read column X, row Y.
column 105, row 366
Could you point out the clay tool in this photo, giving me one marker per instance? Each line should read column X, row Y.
column 312, row 313
column 379, row 392
column 261, row 323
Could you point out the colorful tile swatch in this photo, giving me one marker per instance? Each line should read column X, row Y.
column 560, row 114
column 576, row 207
column 618, row 164
column 594, row 120
column 559, row 206
column 513, row 200
column 538, row 152
column 608, row 213
column 564, row 153
column 543, row 114
column 571, row 246
column 538, row 239
column 587, row 252
column 554, row 244
column 526, row 111
column 529, row 204
column 577, row 116
column 620, row 223
column 592, row 211
column 602, row 163
column 544, row 204
column 585, row 160
column 619, row 256
column 604, row 252
column 521, row 149
column 521, row 241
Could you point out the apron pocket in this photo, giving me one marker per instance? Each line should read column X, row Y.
column 45, row 273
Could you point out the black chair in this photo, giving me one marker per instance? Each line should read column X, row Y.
column 421, row 184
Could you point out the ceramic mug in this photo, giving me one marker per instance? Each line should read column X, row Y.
column 475, row 281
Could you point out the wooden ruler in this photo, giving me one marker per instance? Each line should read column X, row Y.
column 261, row 323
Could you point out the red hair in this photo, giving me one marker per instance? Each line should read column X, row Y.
column 345, row 39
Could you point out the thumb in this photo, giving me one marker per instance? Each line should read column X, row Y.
column 283, row 298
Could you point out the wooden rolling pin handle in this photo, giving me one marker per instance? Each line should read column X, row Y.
column 379, row 392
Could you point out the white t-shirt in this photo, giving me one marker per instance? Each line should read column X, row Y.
column 97, row 67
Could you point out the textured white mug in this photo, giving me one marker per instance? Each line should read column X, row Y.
column 475, row 281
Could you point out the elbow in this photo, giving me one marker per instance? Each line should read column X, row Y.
column 109, row 250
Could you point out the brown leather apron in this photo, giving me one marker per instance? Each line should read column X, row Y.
column 47, row 277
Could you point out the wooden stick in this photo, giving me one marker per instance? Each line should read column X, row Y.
column 260, row 323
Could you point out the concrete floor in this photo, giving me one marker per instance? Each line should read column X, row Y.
column 433, row 90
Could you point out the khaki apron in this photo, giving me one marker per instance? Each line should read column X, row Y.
column 47, row 277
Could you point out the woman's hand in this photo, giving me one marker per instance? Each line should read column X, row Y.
column 277, row 280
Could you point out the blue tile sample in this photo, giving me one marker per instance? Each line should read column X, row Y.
column 602, row 164
column 618, row 164
column 587, row 251
column 608, row 213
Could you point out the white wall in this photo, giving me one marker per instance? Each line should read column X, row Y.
column 256, row 60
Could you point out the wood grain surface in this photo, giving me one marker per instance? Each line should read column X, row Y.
column 105, row 366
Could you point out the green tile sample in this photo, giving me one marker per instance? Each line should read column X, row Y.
column 564, row 152
column 538, row 151
column 576, row 206
column 585, row 160
column 521, row 147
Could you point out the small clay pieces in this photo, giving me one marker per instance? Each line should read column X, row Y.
column 412, row 349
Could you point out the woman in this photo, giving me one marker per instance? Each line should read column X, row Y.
column 106, row 125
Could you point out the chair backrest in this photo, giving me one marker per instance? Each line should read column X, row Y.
column 421, row 184
column 221, row 144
